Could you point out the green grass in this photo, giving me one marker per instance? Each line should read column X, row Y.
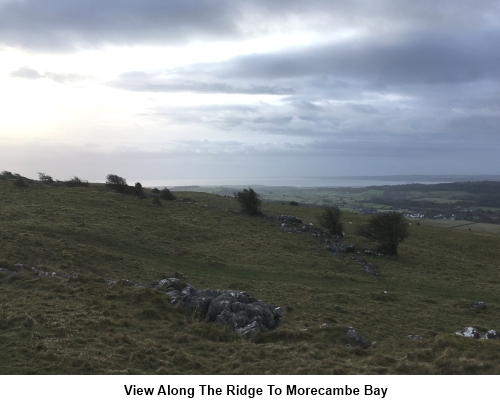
column 83, row 325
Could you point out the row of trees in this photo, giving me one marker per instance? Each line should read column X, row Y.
column 119, row 184
column 388, row 229
column 113, row 182
column 20, row 181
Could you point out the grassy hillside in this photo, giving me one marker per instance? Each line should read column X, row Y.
column 82, row 324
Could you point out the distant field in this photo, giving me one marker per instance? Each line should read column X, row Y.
column 464, row 225
column 312, row 196
column 381, row 199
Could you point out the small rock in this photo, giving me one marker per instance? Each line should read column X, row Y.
column 341, row 248
column 290, row 219
column 491, row 334
column 414, row 337
column 168, row 282
column 249, row 330
column 369, row 268
column 478, row 305
column 357, row 338
column 469, row 332
column 18, row 266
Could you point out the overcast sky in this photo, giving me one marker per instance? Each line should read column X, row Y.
column 213, row 89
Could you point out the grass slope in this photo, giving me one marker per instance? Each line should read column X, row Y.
column 84, row 325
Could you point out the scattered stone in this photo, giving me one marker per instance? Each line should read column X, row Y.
column 18, row 266
column 370, row 269
column 491, row 334
column 8, row 272
column 341, row 248
column 368, row 251
column 169, row 282
column 478, row 305
column 471, row 332
column 356, row 338
column 414, row 337
column 290, row 219
column 126, row 282
column 325, row 325
column 310, row 229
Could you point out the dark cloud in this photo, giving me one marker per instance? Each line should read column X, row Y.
column 424, row 57
column 55, row 25
column 58, row 25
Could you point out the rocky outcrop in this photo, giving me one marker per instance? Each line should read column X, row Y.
column 237, row 310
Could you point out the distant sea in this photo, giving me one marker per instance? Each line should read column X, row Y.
column 346, row 181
